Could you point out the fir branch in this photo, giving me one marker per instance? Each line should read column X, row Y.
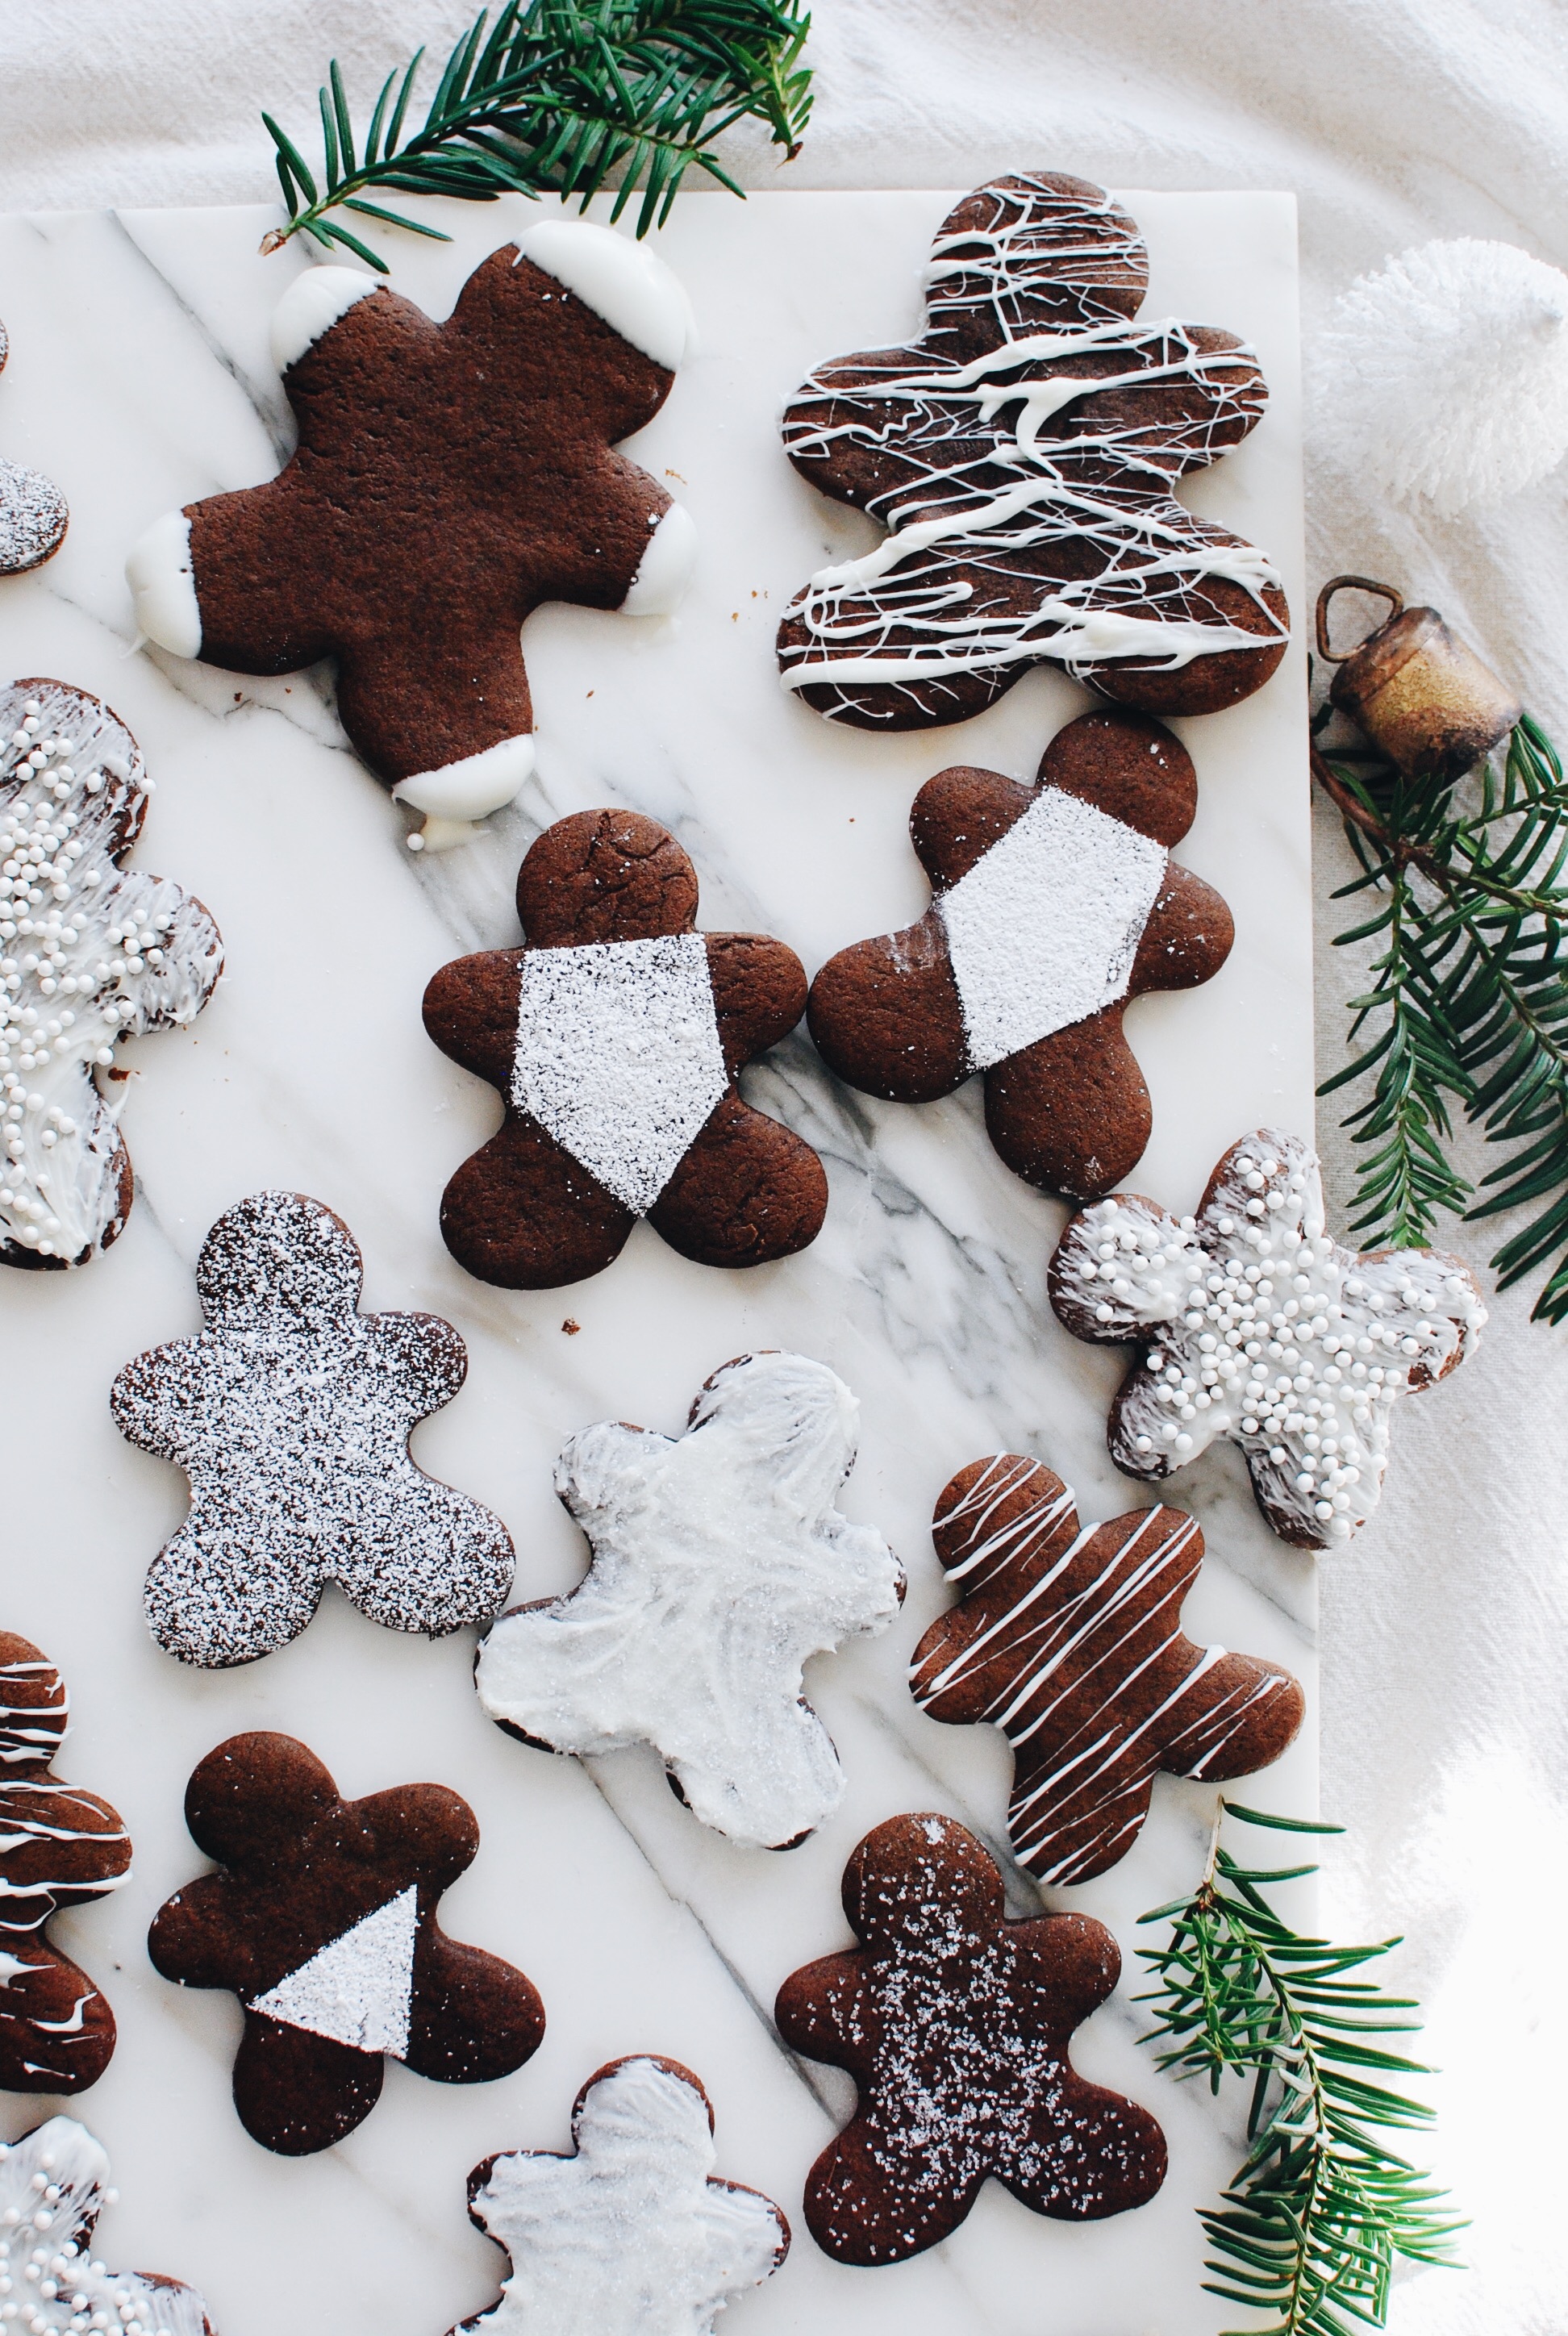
column 1308, row 2232
column 561, row 97
column 1469, row 997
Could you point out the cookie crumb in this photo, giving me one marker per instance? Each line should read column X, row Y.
column 570, row 1327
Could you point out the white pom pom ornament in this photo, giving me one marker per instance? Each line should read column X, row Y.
column 1445, row 374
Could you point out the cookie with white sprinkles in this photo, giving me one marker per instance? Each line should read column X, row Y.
column 1256, row 1325
column 33, row 514
column 54, row 2186
column 955, row 2024
column 290, row 1412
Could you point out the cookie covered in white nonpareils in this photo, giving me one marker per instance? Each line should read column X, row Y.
column 54, row 2186
column 720, row 1564
column 1257, row 1327
column 89, row 955
column 290, row 1412
column 633, row 2234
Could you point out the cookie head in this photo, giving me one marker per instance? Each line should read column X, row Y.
column 280, row 1253
column 797, row 1422
column 605, row 876
column 251, row 1798
column 897, row 1869
column 1004, row 266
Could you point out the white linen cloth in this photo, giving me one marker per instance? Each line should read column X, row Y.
column 1445, row 1678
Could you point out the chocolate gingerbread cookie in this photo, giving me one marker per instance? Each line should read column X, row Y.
column 632, row 2230
column 1023, row 456
column 450, row 479
column 616, row 1035
column 1068, row 1638
column 1055, row 906
column 322, row 1919
column 955, row 2025
column 1255, row 1325
column 59, row 1846
column 91, row 952
column 33, row 515
column 290, row 1412
column 54, row 2186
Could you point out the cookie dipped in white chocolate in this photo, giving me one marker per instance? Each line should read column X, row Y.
column 54, row 2186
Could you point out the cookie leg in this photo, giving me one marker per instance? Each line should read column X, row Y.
column 858, row 2215
column 452, row 734
column 1117, row 2158
column 524, row 1214
column 296, row 2093
column 748, row 1191
column 472, row 2018
column 1071, row 1112
column 56, row 2032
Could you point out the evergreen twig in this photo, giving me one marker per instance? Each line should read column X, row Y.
column 1308, row 2229
column 1468, row 1003
column 560, row 96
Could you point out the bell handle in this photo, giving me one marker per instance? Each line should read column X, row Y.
column 1353, row 584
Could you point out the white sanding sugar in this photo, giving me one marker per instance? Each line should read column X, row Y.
column 358, row 1988
column 1043, row 930
column 33, row 518
column 618, row 1056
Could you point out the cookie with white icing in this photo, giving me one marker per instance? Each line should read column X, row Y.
column 615, row 1035
column 1068, row 1638
column 33, row 514
column 720, row 1565
column 955, row 2024
column 633, row 2233
column 322, row 1919
column 1023, row 456
column 1254, row 1325
column 450, row 479
column 290, row 1412
column 1054, row 907
column 53, row 2186
column 91, row 952
column 60, row 1847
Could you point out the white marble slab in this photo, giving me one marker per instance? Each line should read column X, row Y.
column 139, row 379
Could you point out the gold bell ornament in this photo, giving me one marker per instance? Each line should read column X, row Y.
column 1421, row 696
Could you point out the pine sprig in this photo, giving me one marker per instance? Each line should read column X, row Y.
column 559, row 97
column 1469, row 997
column 1308, row 2231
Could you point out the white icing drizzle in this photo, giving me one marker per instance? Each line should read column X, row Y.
column 633, row 2233
column 618, row 1056
column 995, row 497
column 1259, row 1328
column 358, row 1989
column 54, row 2186
column 88, row 956
column 720, row 1564
column 162, row 580
column 1044, row 928
column 635, row 292
column 456, row 795
column 1067, row 1628
column 313, row 304
column 665, row 569
column 34, row 517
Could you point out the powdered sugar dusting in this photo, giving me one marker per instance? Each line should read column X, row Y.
column 34, row 517
column 1044, row 928
column 358, row 1989
column 290, row 1413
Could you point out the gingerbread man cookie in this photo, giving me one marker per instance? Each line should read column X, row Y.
column 34, row 516
column 450, row 479
column 89, row 955
column 1055, row 906
column 633, row 2230
column 290, row 1412
column 322, row 1921
column 615, row 1035
column 1023, row 457
column 955, row 2025
column 54, row 2186
column 1068, row 1638
column 59, row 1846
column 720, row 1565
column 1257, row 1327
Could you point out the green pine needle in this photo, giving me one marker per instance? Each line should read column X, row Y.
column 562, row 97
column 1468, row 1005
column 1307, row 2234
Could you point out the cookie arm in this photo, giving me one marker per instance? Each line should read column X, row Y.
column 423, row 713
column 1187, row 938
column 886, row 1017
column 748, row 1190
column 827, row 421
column 471, row 1010
column 759, row 993
column 423, row 1355
column 195, row 1939
column 1071, row 1113
column 818, row 2007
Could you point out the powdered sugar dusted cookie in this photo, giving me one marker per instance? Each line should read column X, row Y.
column 1055, row 906
column 290, row 1412
column 34, row 516
column 54, row 2186
column 322, row 1919
column 955, row 2025
column 1068, row 1638
column 89, row 955
column 450, row 479
column 59, row 1846
column 615, row 1035
column 720, row 1564
column 1023, row 456
column 634, row 2232
column 1256, row 1325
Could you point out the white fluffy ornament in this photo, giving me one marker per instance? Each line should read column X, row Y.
column 1444, row 374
